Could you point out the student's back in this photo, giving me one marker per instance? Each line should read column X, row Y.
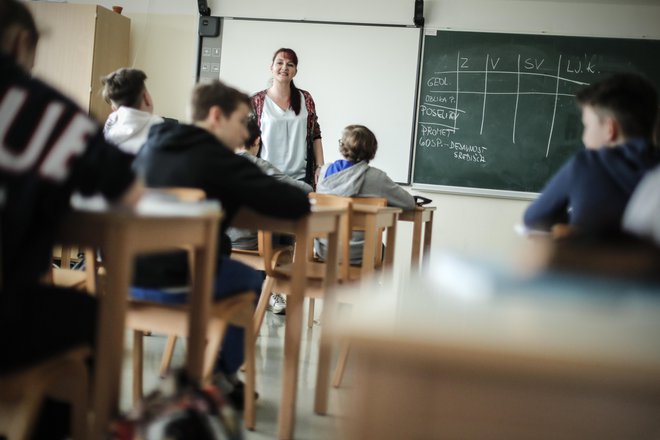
column 353, row 177
column 591, row 191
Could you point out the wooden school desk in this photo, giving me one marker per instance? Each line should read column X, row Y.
column 320, row 221
column 421, row 215
column 554, row 357
column 121, row 235
column 371, row 218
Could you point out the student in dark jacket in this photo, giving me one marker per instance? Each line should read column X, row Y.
column 201, row 155
column 49, row 148
column 591, row 190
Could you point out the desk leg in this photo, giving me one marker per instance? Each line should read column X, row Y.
column 328, row 319
column 428, row 228
column 370, row 245
column 200, row 304
column 416, row 239
column 389, row 245
column 110, row 334
column 292, row 336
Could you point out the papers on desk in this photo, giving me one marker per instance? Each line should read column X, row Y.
column 152, row 203
column 159, row 203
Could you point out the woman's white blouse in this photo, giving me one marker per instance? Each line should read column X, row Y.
column 284, row 134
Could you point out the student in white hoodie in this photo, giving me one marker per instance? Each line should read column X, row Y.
column 132, row 117
column 354, row 177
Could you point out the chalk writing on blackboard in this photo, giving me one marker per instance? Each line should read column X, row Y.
column 441, row 112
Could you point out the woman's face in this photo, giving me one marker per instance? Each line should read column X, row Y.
column 283, row 68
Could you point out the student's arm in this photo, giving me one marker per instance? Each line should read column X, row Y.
column 318, row 157
column 551, row 206
column 380, row 185
column 271, row 170
column 238, row 182
column 133, row 194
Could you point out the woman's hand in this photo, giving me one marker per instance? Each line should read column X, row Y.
column 317, row 173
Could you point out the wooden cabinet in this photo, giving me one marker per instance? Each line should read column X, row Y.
column 79, row 44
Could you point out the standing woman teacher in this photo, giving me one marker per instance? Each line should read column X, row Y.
column 290, row 132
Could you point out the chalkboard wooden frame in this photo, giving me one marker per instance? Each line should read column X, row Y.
column 433, row 168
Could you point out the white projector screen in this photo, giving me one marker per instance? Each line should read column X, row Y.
column 357, row 74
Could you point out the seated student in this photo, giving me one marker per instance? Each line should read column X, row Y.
column 48, row 148
column 243, row 238
column 591, row 190
column 353, row 177
column 202, row 156
column 132, row 117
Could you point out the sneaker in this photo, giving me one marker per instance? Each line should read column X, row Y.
column 277, row 304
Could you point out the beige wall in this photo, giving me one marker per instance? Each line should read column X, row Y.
column 165, row 47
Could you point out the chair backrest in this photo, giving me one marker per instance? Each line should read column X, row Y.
column 347, row 226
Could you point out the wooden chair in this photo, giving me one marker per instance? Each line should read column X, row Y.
column 173, row 320
column 255, row 259
column 63, row 276
column 347, row 272
column 62, row 377
column 367, row 214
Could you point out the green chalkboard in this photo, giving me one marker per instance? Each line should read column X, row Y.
column 498, row 112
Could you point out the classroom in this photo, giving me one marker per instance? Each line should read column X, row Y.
column 375, row 63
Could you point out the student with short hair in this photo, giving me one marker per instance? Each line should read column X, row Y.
column 591, row 190
column 132, row 109
column 248, row 240
column 201, row 155
column 243, row 238
column 354, row 177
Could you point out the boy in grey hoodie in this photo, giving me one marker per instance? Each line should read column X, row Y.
column 353, row 177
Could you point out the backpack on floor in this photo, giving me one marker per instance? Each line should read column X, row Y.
column 180, row 410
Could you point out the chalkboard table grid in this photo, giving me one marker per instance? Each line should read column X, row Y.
column 497, row 113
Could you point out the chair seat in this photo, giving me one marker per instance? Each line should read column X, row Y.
column 168, row 318
column 69, row 278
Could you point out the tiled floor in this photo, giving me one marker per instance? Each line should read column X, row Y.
column 269, row 368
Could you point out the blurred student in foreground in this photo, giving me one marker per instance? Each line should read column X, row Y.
column 590, row 192
column 48, row 148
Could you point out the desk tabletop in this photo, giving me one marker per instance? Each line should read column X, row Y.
column 466, row 307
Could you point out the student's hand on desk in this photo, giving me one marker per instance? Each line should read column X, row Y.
column 562, row 230
column 133, row 194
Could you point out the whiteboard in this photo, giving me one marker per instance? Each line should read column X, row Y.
column 357, row 74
